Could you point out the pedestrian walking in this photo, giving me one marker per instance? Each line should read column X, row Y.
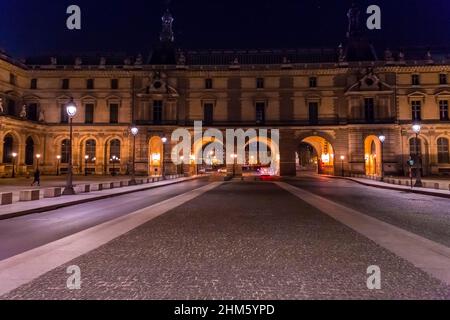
column 37, row 178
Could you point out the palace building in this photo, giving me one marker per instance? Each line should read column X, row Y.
column 330, row 105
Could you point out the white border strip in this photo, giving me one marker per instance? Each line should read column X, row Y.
column 430, row 256
column 25, row 267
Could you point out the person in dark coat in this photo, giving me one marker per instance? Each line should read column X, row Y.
column 37, row 178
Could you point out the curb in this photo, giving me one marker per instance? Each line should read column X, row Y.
column 417, row 191
column 76, row 202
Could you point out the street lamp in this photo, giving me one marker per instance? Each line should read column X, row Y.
column 86, row 158
column 134, row 132
column 182, row 165
column 38, row 157
column 342, row 165
column 58, row 160
column 14, row 155
column 114, row 159
column 71, row 110
column 382, row 140
column 164, row 141
column 195, row 165
column 234, row 157
column 417, row 128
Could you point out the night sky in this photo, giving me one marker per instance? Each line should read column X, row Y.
column 37, row 27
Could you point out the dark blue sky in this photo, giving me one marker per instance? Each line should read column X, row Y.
column 35, row 27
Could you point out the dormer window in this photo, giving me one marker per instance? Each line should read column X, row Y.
column 260, row 83
column 312, row 82
column 208, row 83
column 90, row 84
column 415, row 80
column 443, row 79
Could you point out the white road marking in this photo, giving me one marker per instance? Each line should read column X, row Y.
column 25, row 267
column 427, row 255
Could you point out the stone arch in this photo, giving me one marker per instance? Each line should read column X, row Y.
column 322, row 158
column 155, row 156
column 372, row 156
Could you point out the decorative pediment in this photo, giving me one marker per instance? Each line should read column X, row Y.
column 31, row 98
column 416, row 95
column 157, row 84
column 369, row 83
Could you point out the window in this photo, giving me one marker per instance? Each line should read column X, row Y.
column 442, row 79
column 90, row 150
column 114, row 84
column 8, row 143
column 208, row 117
column 12, row 79
column 443, row 110
column 260, row 112
column 65, row 84
column 90, row 84
column 443, row 150
column 64, row 115
column 369, row 110
column 114, row 149
column 157, row 111
column 29, row 152
column 416, row 108
column 312, row 82
column 113, row 113
column 33, row 84
column 260, row 83
column 89, row 113
column 208, row 83
column 32, row 113
column 313, row 113
column 415, row 80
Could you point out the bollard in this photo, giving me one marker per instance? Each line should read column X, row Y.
column 6, row 198
column 29, row 195
column 52, row 192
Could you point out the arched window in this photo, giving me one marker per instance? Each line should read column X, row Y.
column 29, row 152
column 412, row 146
column 114, row 149
column 91, row 147
column 8, row 143
column 65, row 151
column 443, row 150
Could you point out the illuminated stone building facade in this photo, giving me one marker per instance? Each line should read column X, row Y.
column 337, row 101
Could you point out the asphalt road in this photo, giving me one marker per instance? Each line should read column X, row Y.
column 241, row 240
column 424, row 215
column 27, row 232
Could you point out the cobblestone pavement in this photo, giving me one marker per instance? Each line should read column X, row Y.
column 242, row 240
column 424, row 215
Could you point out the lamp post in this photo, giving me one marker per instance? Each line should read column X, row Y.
column 134, row 132
column 114, row 159
column 382, row 140
column 417, row 128
column 342, row 165
column 14, row 156
column 86, row 158
column 58, row 160
column 164, row 141
column 38, row 157
column 71, row 110
column 195, row 165
column 234, row 157
column 181, row 165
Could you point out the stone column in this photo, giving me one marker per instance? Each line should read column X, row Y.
column 288, row 146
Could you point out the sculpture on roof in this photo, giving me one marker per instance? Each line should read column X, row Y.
column 53, row 61
column 23, row 113
column 167, row 32
column 1, row 106
column 354, row 23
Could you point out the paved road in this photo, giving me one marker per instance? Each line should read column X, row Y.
column 27, row 232
column 424, row 215
column 242, row 240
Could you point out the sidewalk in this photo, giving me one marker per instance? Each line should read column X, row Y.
column 401, row 186
column 23, row 208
